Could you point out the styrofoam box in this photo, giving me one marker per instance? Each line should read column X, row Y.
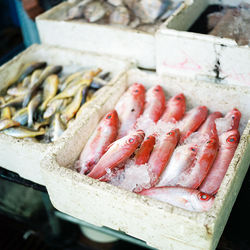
column 200, row 56
column 23, row 156
column 119, row 41
column 159, row 224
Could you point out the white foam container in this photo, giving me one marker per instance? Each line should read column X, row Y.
column 118, row 41
column 159, row 224
column 24, row 156
column 200, row 56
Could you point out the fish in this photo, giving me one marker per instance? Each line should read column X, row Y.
column 162, row 152
column 155, row 103
column 49, row 90
column 193, row 176
column 175, row 109
column 192, row 121
column 230, row 121
column 8, row 123
column 97, row 83
column 228, row 143
column 38, row 125
column 183, row 158
column 94, row 11
column 186, row 198
column 104, row 134
column 57, row 127
column 17, row 91
column 49, row 70
column 22, row 132
column 143, row 153
column 52, row 107
column 25, row 70
column 209, row 127
column 70, row 111
column 33, row 104
column 118, row 152
column 120, row 16
column 13, row 102
column 130, row 107
column 21, row 116
column 26, row 81
column 70, row 80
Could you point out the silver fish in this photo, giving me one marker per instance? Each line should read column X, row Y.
column 33, row 104
column 22, row 132
column 8, row 123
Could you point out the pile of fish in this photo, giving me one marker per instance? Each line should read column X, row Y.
column 143, row 15
column 231, row 23
column 40, row 103
column 159, row 149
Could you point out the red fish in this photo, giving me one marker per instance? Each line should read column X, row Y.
column 118, row 152
column 235, row 116
column 183, row 158
column 155, row 103
column 228, row 144
column 143, row 153
column 162, row 152
column 102, row 137
column 175, row 109
column 130, row 107
column 193, row 177
column 192, row 121
column 186, row 198
column 209, row 127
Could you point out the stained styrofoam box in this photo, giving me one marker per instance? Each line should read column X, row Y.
column 200, row 56
column 120, row 41
column 159, row 224
column 23, row 156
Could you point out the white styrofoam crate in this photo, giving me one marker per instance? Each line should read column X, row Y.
column 23, row 156
column 119, row 41
column 200, row 56
column 159, row 224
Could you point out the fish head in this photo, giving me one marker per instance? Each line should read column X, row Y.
column 179, row 99
column 150, row 138
column 173, row 134
column 111, row 119
column 137, row 89
column 134, row 138
column 203, row 110
column 204, row 201
column 212, row 142
column 235, row 115
column 230, row 139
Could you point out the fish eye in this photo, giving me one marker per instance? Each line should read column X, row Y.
column 131, row 140
column 109, row 116
column 178, row 98
column 170, row 133
column 232, row 139
column 157, row 90
column 204, row 197
column 193, row 149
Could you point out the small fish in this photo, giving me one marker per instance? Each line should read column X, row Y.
column 120, row 16
column 17, row 91
column 143, row 153
column 57, row 127
column 130, row 107
column 183, row 158
column 193, row 177
column 192, row 121
column 33, row 104
column 209, row 127
column 119, row 151
column 52, row 107
column 22, row 132
column 71, row 79
column 70, row 111
column 228, row 143
column 94, row 11
column 21, row 116
column 175, row 109
column 30, row 69
column 49, row 70
column 162, row 152
column 186, row 198
column 8, row 123
column 14, row 102
column 155, row 103
column 103, row 136
column 49, row 90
